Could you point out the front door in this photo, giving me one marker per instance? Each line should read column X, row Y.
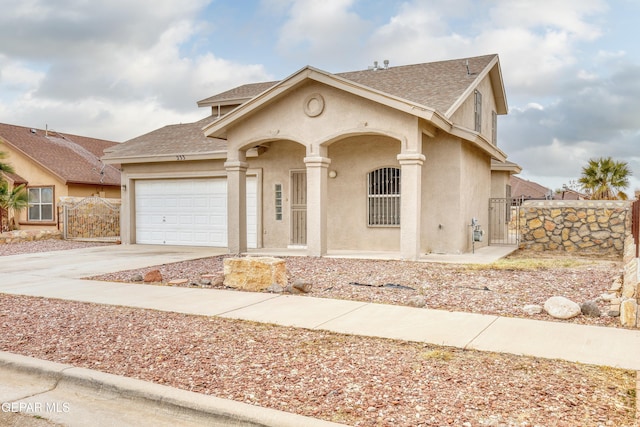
column 298, row 208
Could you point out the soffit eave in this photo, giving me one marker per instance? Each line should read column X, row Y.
column 512, row 168
column 223, row 103
column 175, row 157
column 479, row 141
column 150, row 158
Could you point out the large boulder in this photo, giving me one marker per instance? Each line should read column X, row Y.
column 561, row 308
column 254, row 273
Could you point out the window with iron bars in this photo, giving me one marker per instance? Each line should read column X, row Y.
column 383, row 197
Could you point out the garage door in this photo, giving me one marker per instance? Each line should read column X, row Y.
column 190, row 212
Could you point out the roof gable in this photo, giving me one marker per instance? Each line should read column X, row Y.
column 432, row 91
column 71, row 158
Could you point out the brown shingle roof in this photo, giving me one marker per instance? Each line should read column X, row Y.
column 523, row 189
column 434, row 84
column 179, row 139
column 237, row 94
column 72, row 158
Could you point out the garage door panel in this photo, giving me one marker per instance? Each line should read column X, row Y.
column 189, row 212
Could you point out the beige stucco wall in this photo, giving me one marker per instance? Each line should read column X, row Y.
column 499, row 182
column 277, row 163
column 456, row 188
column 343, row 115
column 86, row 190
column 465, row 114
column 352, row 159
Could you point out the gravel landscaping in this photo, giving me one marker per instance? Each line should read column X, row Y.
column 502, row 289
column 348, row 379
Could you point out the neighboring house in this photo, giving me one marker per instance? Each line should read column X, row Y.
column 55, row 165
column 569, row 194
column 387, row 159
column 501, row 178
column 522, row 190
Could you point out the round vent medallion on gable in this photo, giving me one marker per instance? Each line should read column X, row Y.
column 313, row 105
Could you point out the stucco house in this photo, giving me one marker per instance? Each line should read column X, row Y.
column 55, row 165
column 390, row 158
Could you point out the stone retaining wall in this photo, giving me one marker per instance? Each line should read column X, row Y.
column 28, row 235
column 580, row 226
column 595, row 227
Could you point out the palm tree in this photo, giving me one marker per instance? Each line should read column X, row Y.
column 4, row 167
column 12, row 201
column 605, row 179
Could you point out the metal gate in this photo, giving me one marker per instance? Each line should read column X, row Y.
column 92, row 218
column 504, row 221
column 298, row 207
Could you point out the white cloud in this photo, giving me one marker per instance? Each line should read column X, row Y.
column 327, row 31
column 123, row 75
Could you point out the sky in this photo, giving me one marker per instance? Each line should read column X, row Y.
column 117, row 69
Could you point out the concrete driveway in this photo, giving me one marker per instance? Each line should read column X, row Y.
column 78, row 263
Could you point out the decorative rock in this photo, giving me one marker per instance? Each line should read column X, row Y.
column 629, row 313
column 275, row 289
column 616, row 285
column 153, row 276
column 590, row 308
column 532, row 309
column 417, row 301
column 254, row 273
column 607, row 297
column 205, row 282
column 628, row 289
column 561, row 308
column 613, row 313
column 302, row 286
column 178, row 281
column 137, row 278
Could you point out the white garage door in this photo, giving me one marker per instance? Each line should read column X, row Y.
column 190, row 212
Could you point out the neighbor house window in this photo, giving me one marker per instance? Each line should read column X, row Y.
column 478, row 111
column 383, row 197
column 278, row 191
column 41, row 204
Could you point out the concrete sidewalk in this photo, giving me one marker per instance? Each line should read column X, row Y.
column 57, row 275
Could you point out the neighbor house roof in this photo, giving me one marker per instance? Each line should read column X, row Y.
column 15, row 178
column 73, row 159
column 523, row 189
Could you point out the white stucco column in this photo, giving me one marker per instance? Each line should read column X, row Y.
column 317, row 175
column 411, row 204
column 236, row 206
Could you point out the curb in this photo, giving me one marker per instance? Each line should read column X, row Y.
column 209, row 409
